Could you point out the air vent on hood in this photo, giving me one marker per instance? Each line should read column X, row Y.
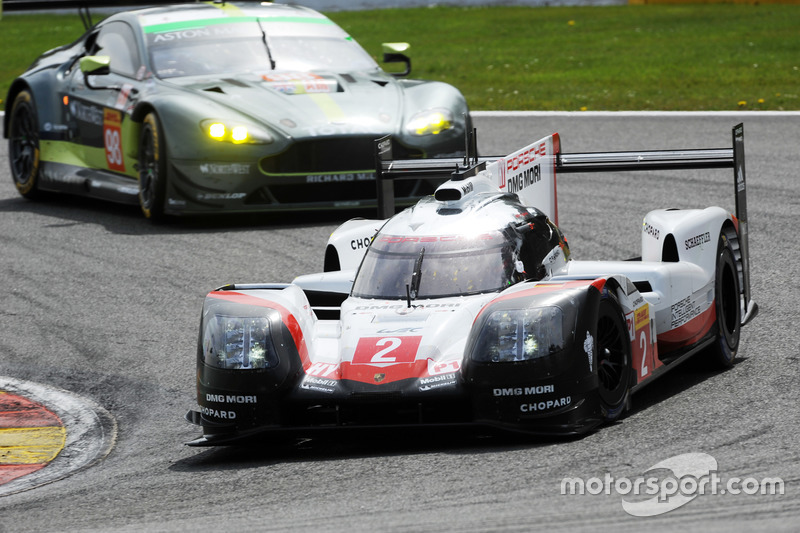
column 236, row 82
column 214, row 90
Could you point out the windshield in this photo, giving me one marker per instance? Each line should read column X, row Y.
column 217, row 49
column 436, row 266
column 319, row 53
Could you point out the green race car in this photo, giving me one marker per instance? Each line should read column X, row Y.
column 209, row 107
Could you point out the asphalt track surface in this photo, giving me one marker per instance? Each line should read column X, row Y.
column 101, row 303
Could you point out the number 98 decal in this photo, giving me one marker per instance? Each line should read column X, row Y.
column 112, row 139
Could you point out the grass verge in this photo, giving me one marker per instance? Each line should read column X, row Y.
column 648, row 57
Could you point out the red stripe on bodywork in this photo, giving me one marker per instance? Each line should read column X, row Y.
column 556, row 152
column 538, row 289
column 286, row 316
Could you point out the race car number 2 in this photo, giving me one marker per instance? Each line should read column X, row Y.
column 393, row 350
column 112, row 138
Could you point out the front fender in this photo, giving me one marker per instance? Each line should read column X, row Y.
column 349, row 242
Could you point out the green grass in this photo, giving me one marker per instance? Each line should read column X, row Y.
column 649, row 57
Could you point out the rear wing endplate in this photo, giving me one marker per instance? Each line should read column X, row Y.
column 387, row 170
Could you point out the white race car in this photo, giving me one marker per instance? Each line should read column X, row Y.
column 467, row 310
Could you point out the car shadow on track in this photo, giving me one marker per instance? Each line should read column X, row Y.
column 687, row 375
column 377, row 443
column 129, row 220
column 346, row 446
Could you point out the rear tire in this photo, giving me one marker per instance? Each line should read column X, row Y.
column 727, row 306
column 152, row 169
column 613, row 348
column 23, row 145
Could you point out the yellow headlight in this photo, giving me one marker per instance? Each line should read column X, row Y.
column 239, row 134
column 216, row 130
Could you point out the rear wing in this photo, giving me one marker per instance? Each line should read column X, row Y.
column 387, row 170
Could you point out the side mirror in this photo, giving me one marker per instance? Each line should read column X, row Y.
column 95, row 65
column 396, row 53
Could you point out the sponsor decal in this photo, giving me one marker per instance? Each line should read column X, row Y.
column 325, row 370
column 318, row 384
column 226, row 415
column 359, row 244
column 437, row 382
column 524, row 158
column 588, row 347
column 442, row 367
column 524, row 391
column 642, row 316
column 339, row 178
column 545, row 405
column 86, row 113
column 683, row 311
column 300, row 83
column 48, row 126
column 403, row 306
column 124, row 95
column 651, row 230
column 230, row 398
column 385, row 148
column 195, row 33
column 524, row 179
column 221, row 195
column 225, row 168
column 437, row 379
column 697, row 240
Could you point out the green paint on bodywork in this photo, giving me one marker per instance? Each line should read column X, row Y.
column 78, row 155
column 191, row 24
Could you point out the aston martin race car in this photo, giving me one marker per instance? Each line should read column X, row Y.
column 218, row 107
column 467, row 308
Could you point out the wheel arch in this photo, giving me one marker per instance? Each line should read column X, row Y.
column 17, row 86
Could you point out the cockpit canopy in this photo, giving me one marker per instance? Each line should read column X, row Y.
column 411, row 263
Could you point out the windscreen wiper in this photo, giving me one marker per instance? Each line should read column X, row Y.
column 266, row 45
column 417, row 275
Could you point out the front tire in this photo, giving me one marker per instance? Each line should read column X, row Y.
column 726, row 305
column 23, row 146
column 613, row 350
column 152, row 169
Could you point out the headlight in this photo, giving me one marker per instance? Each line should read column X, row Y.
column 520, row 335
column 233, row 342
column 430, row 122
column 235, row 132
